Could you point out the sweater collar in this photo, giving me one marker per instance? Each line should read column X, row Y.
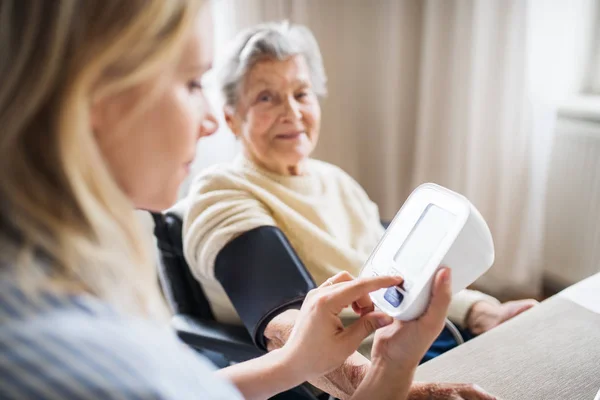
column 305, row 184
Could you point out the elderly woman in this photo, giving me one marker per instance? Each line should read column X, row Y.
column 272, row 78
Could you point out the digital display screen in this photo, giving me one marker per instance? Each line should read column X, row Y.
column 422, row 242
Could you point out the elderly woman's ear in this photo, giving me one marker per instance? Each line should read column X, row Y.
column 232, row 120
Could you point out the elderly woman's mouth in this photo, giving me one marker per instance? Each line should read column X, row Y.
column 290, row 135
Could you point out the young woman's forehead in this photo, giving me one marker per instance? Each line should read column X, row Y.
column 199, row 49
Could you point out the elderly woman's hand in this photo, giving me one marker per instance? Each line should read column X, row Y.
column 484, row 316
column 445, row 391
column 319, row 341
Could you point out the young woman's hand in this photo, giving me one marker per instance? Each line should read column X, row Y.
column 319, row 341
column 398, row 347
column 402, row 344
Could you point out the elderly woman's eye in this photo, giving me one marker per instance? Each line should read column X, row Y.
column 265, row 97
column 301, row 95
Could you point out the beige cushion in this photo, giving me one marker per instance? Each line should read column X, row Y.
column 550, row 352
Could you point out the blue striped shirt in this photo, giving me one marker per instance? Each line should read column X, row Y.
column 76, row 347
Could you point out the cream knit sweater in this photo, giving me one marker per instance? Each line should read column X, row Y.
column 326, row 215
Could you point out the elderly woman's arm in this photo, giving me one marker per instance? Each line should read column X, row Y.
column 344, row 381
column 215, row 213
column 358, row 379
column 341, row 382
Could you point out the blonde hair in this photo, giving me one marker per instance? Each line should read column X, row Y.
column 64, row 223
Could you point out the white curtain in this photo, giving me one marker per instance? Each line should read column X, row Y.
column 454, row 92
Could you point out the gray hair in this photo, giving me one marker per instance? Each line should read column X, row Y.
column 276, row 40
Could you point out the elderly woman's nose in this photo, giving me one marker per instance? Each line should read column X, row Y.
column 292, row 109
column 209, row 125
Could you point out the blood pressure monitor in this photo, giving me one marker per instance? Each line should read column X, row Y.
column 434, row 227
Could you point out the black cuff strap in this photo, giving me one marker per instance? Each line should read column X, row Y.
column 263, row 276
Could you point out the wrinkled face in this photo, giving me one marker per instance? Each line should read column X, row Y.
column 278, row 116
column 149, row 151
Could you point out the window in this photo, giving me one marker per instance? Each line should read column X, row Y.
column 592, row 81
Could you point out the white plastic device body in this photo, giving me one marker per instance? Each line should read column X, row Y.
column 434, row 227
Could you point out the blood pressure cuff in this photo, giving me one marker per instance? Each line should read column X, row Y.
column 263, row 276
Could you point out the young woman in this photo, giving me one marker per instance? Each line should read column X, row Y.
column 101, row 107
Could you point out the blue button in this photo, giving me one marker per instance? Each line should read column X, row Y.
column 393, row 296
